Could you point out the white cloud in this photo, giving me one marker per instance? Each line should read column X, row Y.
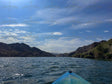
column 62, row 16
column 68, row 15
column 13, row 35
column 49, row 33
column 57, row 33
column 64, row 20
column 89, row 24
column 14, row 25
column 102, row 38
column 62, row 45
column 41, row 22
column 12, row 32
column 99, row 39
column 106, row 31
column 9, row 40
column 82, row 25
column 22, row 36
column 54, row 16
column 107, row 20
column 59, row 21
column 28, row 39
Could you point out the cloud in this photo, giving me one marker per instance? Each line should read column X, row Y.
column 62, row 45
column 57, row 33
column 54, row 45
column 14, row 25
column 88, row 31
column 50, row 33
column 74, row 13
column 53, row 13
column 106, row 31
column 64, row 20
column 102, row 38
column 57, row 45
column 109, row 20
column 82, row 25
column 11, row 18
column 88, row 24
column 12, row 35
column 59, row 16
column 82, row 3
column 60, row 21
column 12, row 32
column 54, row 16
column 99, row 39
column 31, row 38
column 80, row 13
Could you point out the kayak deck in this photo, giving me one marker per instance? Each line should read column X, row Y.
column 70, row 78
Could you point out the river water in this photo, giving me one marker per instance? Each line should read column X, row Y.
column 45, row 70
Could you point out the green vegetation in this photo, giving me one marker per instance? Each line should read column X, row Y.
column 103, row 50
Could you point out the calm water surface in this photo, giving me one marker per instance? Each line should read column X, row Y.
column 43, row 70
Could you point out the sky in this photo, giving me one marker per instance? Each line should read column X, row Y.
column 56, row 26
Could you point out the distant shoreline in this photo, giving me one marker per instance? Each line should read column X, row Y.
column 98, row 50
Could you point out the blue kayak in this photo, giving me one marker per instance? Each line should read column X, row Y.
column 70, row 78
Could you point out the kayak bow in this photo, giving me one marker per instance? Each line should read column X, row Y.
column 70, row 78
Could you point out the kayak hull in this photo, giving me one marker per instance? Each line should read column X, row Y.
column 70, row 78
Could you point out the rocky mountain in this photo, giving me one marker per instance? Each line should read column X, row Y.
column 21, row 50
column 62, row 55
column 96, row 50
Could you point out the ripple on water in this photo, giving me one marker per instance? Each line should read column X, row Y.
column 31, row 66
column 47, row 70
column 18, row 75
column 73, row 66
column 54, row 67
column 28, row 75
column 4, row 66
column 8, row 82
column 13, row 77
column 58, row 73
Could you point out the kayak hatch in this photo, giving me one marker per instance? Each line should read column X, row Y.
column 70, row 78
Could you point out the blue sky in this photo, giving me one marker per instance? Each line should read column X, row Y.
column 57, row 26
